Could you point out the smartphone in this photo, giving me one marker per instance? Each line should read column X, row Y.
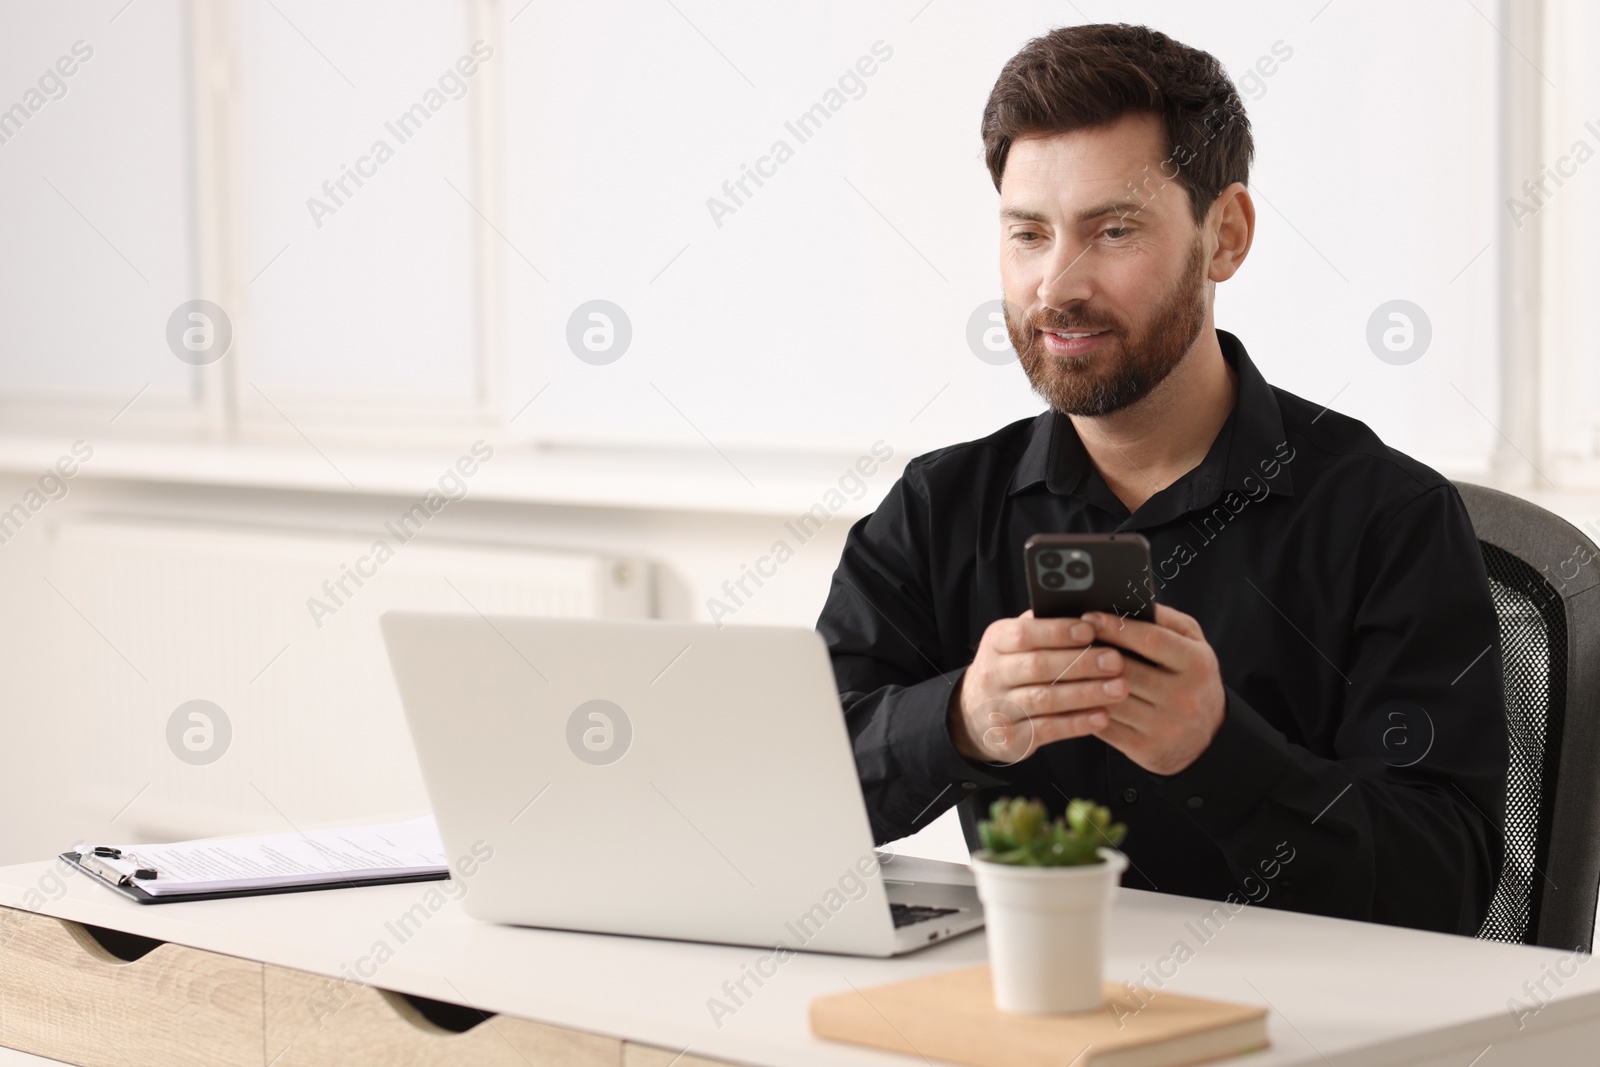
column 1069, row 574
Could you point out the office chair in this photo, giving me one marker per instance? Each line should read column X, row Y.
column 1544, row 575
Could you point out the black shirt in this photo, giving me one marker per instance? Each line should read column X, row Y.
column 1361, row 764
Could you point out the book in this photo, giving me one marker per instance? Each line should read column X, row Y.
column 213, row 867
column 952, row 1016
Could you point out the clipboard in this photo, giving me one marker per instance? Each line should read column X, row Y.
column 247, row 865
column 129, row 888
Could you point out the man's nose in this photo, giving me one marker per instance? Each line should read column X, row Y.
column 1066, row 279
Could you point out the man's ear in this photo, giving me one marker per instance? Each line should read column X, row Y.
column 1232, row 222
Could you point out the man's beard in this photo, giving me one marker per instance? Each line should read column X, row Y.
column 1104, row 380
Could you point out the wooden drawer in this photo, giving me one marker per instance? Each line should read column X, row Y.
column 101, row 998
column 66, row 995
column 312, row 1020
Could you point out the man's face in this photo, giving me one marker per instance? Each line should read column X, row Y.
column 1096, row 238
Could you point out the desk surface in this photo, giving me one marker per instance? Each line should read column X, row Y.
column 1337, row 990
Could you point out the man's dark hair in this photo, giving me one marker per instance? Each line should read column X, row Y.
column 1080, row 77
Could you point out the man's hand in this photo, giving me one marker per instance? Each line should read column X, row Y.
column 1034, row 681
column 1175, row 703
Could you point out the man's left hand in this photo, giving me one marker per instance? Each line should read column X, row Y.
column 1175, row 703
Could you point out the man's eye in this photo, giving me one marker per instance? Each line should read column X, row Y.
column 1116, row 233
column 1027, row 236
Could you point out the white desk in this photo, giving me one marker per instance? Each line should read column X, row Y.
column 1340, row 992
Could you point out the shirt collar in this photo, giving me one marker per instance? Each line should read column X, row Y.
column 1249, row 438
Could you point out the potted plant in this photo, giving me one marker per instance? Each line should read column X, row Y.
column 1046, row 889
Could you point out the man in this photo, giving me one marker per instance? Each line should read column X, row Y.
column 1315, row 719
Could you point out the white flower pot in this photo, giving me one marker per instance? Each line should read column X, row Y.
column 1047, row 931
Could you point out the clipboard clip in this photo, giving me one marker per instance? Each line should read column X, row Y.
column 92, row 863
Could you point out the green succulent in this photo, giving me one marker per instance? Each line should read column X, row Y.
column 1019, row 832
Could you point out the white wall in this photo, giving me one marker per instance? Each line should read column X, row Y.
column 54, row 768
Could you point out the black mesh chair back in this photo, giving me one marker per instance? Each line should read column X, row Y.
column 1544, row 575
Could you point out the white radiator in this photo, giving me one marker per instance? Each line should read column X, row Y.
column 272, row 627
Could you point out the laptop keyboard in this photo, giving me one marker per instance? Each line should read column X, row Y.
column 911, row 914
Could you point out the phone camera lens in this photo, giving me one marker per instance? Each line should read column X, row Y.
column 1077, row 569
column 1050, row 560
column 1052, row 580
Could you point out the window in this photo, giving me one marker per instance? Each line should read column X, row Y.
column 356, row 151
column 715, row 225
column 792, row 284
column 94, row 170
column 1562, row 205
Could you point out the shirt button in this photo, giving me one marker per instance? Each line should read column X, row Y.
column 969, row 785
column 1130, row 794
column 1195, row 802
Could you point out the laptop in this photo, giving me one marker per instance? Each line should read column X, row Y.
column 659, row 779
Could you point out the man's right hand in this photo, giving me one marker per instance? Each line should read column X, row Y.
column 1032, row 682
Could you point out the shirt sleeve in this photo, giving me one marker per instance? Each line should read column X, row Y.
column 1404, row 823
column 895, row 683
